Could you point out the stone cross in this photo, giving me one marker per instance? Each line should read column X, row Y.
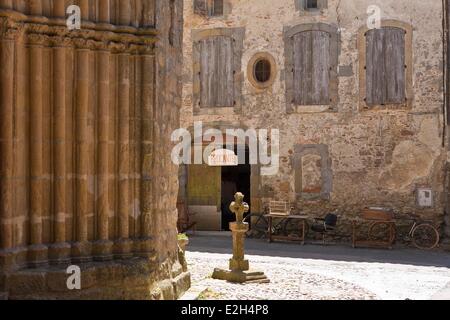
column 239, row 266
column 239, row 207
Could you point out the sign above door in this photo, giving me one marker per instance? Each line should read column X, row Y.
column 223, row 158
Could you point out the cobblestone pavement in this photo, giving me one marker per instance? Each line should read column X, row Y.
column 288, row 282
column 316, row 278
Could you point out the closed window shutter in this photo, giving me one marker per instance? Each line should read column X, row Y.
column 312, row 68
column 385, row 66
column 201, row 7
column 216, row 72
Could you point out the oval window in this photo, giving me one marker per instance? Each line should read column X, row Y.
column 262, row 70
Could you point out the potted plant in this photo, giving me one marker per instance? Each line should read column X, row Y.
column 183, row 241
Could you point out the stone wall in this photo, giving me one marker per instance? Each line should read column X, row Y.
column 86, row 176
column 376, row 157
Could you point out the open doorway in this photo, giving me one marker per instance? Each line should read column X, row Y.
column 234, row 179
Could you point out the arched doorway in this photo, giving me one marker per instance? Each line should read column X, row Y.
column 208, row 190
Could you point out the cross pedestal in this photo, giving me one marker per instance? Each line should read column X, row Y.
column 239, row 267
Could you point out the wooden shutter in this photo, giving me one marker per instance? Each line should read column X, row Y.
column 201, row 7
column 312, row 65
column 385, row 66
column 216, row 72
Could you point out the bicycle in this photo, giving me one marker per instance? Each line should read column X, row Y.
column 259, row 226
column 422, row 233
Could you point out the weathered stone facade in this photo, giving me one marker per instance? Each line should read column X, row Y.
column 85, row 171
column 341, row 156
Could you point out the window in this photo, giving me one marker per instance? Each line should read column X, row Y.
column 210, row 8
column 311, row 5
column 311, row 68
column 386, row 66
column 216, row 72
column 217, row 9
column 217, row 55
column 262, row 70
column 311, row 57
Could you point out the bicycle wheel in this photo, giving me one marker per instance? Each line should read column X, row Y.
column 294, row 228
column 258, row 226
column 425, row 236
column 379, row 231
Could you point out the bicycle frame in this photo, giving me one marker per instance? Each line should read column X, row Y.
column 410, row 234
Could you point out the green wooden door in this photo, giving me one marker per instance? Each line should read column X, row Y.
column 204, row 185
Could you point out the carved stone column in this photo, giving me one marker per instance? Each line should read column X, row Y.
column 59, row 9
column 6, row 150
column 60, row 249
column 35, row 7
column 147, row 63
column 84, row 6
column 81, row 250
column 104, row 11
column 124, row 243
column 37, row 252
column 103, row 245
column 6, row 4
column 124, row 12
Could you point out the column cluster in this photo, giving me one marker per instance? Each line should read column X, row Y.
column 76, row 131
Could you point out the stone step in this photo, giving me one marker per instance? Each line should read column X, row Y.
column 265, row 280
column 256, row 277
column 255, row 273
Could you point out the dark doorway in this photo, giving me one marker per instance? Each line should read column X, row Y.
column 234, row 179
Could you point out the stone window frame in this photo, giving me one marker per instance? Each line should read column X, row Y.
column 300, row 5
column 251, row 68
column 321, row 150
column 335, row 48
column 237, row 34
column 363, row 106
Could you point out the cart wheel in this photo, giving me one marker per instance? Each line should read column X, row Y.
column 381, row 230
column 425, row 237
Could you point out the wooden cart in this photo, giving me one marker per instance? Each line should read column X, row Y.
column 373, row 217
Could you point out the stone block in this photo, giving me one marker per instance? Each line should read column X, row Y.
column 181, row 284
column 26, row 282
column 242, row 265
column 167, row 290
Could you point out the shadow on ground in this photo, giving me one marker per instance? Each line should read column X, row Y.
column 221, row 243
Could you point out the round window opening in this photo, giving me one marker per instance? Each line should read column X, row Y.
column 262, row 70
